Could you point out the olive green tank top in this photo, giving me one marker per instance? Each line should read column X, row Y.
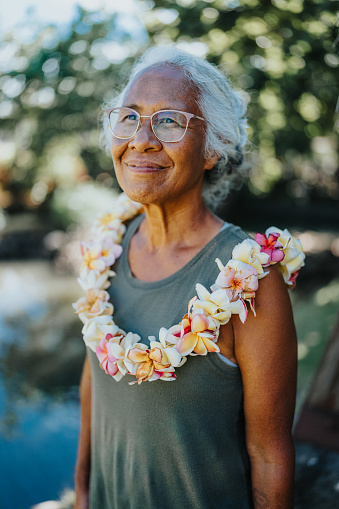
column 169, row 445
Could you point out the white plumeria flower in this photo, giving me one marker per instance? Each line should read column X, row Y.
column 168, row 341
column 118, row 346
column 110, row 224
column 95, row 303
column 95, row 328
column 131, row 340
column 293, row 251
column 217, row 304
column 128, row 208
column 174, row 356
column 169, row 337
column 115, row 234
column 106, row 310
column 171, row 355
column 248, row 251
column 93, row 279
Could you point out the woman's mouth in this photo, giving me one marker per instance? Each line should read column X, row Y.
column 144, row 166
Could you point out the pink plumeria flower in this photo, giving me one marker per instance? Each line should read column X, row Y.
column 271, row 246
column 101, row 254
column 106, row 357
column 239, row 279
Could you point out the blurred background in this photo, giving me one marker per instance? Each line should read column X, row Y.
column 58, row 61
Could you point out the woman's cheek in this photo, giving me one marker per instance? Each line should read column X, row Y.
column 117, row 149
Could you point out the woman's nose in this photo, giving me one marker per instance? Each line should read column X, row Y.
column 144, row 138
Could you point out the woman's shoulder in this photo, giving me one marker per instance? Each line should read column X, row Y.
column 231, row 235
column 238, row 233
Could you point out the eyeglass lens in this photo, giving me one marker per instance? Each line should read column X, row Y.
column 167, row 125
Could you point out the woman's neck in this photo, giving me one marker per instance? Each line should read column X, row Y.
column 176, row 226
column 169, row 238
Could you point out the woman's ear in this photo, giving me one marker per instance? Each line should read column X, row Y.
column 211, row 160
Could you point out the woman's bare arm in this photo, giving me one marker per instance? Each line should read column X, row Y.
column 266, row 350
column 83, row 464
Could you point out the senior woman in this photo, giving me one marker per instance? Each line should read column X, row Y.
column 218, row 433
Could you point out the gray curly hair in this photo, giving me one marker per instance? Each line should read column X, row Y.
column 224, row 108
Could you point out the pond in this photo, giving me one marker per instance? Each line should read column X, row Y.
column 41, row 355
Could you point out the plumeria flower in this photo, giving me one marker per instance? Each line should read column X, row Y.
column 199, row 333
column 169, row 339
column 294, row 255
column 248, row 251
column 152, row 363
column 110, row 224
column 112, row 350
column 95, row 328
column 120, row 350
column 271, row 246
column 131, row 365
column 217, row 304
column 94, row 303
column 128, row 208
column 100, row 254
column 106, row 357
column 93, row 279
column 239, row 279
column 124, row 209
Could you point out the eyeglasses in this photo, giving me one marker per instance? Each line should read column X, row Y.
column 167, row 125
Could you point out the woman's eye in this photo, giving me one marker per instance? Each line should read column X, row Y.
column 170, row 122
column 130, row 117
column 167, row 120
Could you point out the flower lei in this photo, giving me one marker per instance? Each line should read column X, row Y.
column 121, row 353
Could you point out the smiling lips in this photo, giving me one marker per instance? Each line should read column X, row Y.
column 144, row 166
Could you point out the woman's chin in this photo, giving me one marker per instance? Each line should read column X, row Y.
column 142, row 193
column 145, row 191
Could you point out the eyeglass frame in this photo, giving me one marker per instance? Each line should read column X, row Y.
column 188, row 116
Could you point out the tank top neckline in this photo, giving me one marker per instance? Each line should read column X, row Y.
column 138, row 283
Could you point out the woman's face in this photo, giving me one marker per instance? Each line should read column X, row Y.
column 150, row 170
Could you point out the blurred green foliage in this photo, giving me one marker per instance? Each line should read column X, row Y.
column 282, row 53
column 51, row 91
